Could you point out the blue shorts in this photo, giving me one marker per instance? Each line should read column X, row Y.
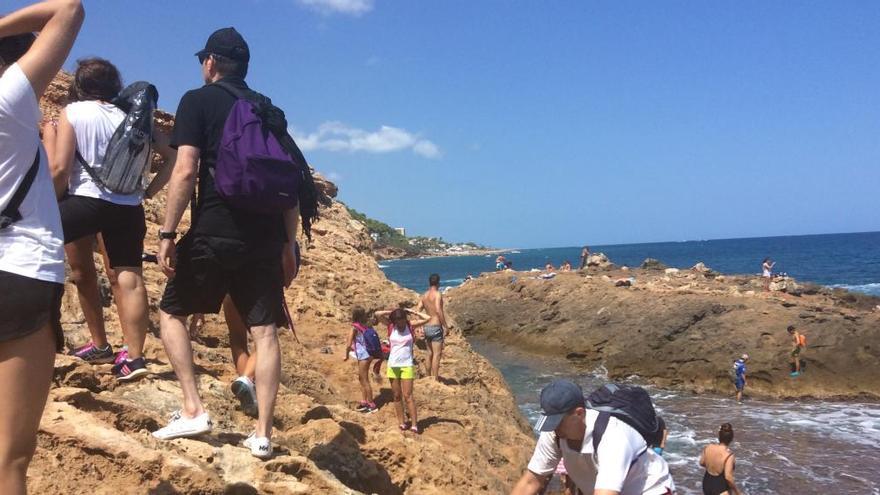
column 739, row 383
column 433, row 333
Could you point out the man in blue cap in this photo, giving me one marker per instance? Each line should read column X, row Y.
column 621, row 465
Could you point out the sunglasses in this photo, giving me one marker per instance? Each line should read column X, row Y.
column 204, row 57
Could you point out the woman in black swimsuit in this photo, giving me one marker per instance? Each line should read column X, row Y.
column 718, row 458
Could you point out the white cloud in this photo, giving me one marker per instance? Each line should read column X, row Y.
column 336, row 136
column 347, row 7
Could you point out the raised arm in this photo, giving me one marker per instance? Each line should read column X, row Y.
column 58, row 22
column 60, row 145
column 383, row 315
column 420, row 318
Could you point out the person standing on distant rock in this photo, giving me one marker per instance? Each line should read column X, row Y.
column 401, row 365
column 228, row 249
column 718, row 458
column 432, row 303
column 76, row 146
column 621, row 464
column 31, row 237
column 658, row 443
column 739, row 376
column 799, row 342
column 767, row 272
column 357, row 347
column 585, row 257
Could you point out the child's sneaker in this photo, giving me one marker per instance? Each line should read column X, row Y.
column 122, row 355
column 372, row 407
column 261, row 447
column 94, row 355
column 246, row 393
column 363, row 407
column 129, row 370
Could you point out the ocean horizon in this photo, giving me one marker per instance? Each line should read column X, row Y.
column 849, row 260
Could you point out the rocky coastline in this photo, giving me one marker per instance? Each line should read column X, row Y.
column 95, row 433
column 682, row 328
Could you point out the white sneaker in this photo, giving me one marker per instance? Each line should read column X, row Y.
column 260, row 446
column 184, row 427
column 246, row 393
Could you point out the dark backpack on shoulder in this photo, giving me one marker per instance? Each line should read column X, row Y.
column 129, row 150
column 628, row 403
column 259, row 167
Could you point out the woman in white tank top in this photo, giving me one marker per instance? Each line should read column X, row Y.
column 90, row 213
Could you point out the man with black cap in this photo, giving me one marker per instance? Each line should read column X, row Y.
column 623, row 464
column 227, row 250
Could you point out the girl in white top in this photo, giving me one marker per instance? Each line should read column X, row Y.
column 357, row 348
column 766, row 272
column 401, row 369
column 89, row 212
column 31, row 255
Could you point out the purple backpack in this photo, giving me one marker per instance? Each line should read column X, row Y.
column 253, row 171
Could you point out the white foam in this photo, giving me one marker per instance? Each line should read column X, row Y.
column 872, row 288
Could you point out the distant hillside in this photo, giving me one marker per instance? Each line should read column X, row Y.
column 388, row 242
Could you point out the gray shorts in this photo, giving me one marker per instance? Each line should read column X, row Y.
column 433, row 333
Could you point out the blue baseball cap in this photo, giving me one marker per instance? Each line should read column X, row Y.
column 558, row 399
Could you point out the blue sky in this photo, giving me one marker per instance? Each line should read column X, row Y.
column 532, row 124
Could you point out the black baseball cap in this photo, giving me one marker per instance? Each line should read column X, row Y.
column 557, row 400
column 228, row 43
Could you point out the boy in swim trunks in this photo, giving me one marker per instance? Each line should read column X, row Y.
column 798, row 341
column 432, row 303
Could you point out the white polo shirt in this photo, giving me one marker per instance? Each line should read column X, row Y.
column 34, row 246
column 613, row 466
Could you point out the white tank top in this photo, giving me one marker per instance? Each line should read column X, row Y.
column 94, row 123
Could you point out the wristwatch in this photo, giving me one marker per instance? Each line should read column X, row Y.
column 167, row 235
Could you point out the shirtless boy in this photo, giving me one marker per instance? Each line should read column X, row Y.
column 432, row 303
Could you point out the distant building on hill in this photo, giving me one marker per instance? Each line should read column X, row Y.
column 401, row 230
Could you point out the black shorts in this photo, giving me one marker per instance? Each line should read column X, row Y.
column 27, row 304
column 210, row 267
column 122, row 227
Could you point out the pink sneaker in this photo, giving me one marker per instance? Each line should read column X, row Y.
column 121, row 356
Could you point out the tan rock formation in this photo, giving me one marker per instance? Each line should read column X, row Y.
column 94, row 437
column 682, row 329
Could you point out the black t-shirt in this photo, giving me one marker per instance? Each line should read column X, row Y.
column 199, row 122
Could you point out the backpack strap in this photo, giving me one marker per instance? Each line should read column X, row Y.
column 88, row 168
column 238, row 93
column 10, row 214
column 599, row 428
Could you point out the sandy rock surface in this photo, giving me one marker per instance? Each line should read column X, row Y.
column 94, row 437
column 683, row 328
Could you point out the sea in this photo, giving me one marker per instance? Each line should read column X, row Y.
column 782, row 447
column 850, row 261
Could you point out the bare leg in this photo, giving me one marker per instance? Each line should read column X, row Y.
column 113, row 279
column 268, row 374
column 238, row 340
column 430, row 349
column 175, row 339
column 26, row 367
column 407, row 388
column 364, row 379
column 398, row 402
column 85, row 277
column 133, row 307
column 437, row 347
